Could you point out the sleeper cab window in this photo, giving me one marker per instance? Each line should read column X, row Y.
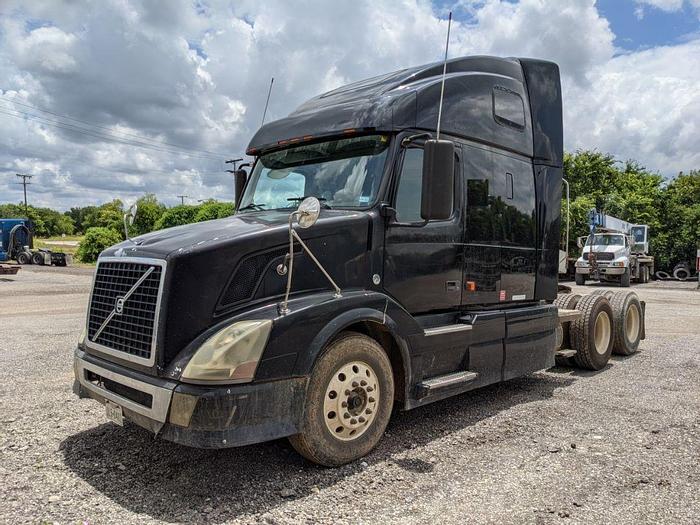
column 508, row 108
column 409, row 192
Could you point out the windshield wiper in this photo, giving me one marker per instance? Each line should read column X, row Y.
column 252, row 206
column 321, row 200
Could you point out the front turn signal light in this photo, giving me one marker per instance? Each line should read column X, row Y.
column 231, row 355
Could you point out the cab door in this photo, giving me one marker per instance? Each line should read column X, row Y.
column 422, row 259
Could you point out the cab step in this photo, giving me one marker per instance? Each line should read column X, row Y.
column 453, row 379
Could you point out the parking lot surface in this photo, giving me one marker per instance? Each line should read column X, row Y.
column 562, row 446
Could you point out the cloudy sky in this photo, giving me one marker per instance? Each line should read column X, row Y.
column 115, row 98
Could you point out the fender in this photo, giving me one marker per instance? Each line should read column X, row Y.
column 305, row 361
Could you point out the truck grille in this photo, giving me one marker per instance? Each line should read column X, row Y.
column 132, row 330
column 602, row 256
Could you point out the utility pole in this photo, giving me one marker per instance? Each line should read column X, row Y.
column 24, row 183
column 182, row 198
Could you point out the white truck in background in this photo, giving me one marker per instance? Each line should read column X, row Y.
column 615, row 250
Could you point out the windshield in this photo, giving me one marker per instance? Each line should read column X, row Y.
column 341, row 173
column 607, row 240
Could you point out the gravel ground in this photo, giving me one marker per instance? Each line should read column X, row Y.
column 562, row 446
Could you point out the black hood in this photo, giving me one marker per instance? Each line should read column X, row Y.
column 218, row 268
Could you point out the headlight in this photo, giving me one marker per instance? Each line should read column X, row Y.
column 231, row 355
column 581, row 264
column 619, row 264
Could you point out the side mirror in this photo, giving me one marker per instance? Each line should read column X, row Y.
column 129, row 217
column 438, row 179
column 308, row 211
column 240, row 178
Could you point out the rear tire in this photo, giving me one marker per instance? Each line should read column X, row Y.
column 628, row 322
column 567, row 301
column 592, row 334
column 625, row 279
column 23, row 258
column 38, row 258
column 605, row 293
column 580, row 279
column 348, row 402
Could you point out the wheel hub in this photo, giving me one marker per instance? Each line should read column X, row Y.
column 351, row 400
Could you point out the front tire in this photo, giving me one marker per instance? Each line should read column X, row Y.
column 580, row 279
column 348, row 402
column 625, row 279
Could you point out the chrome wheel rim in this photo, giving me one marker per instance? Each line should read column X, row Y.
column 601, row 332
column 632, row 323
column 351, row 400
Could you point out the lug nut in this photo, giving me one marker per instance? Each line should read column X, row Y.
column 346, row 415
column 361, row 419
column 344, row 404
column 347, row 392
column 368, row 411
column 354, row 384
column 370, row 389
column 363, row 383
column 371, row 400
column 353, row 421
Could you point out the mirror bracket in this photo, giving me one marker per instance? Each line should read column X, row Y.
column 306, row 216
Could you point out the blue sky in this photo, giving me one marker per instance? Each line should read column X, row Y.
column 639, row 26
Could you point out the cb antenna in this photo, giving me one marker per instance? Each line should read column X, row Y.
column 269, row 91
column 444, row 72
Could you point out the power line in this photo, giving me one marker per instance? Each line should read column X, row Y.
column 111, row 131
column 24, row 183
column 102, row 136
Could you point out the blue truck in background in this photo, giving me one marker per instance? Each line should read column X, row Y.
column 17, row 243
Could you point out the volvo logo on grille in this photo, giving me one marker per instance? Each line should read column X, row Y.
column 119, row 306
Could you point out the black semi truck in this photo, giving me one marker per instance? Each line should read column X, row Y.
column 370, row 265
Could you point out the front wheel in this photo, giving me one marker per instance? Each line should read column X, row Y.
column 580, row 279
column 625, row 279
column 348, row 402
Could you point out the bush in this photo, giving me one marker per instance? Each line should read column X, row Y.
column 214, row 210
column 176, row 216
column 96, row 240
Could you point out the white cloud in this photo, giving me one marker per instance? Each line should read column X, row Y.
column 196, row 75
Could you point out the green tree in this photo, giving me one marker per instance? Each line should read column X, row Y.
column 148, row 213
column 213, row 210
column 177, row 216
column 96, row 240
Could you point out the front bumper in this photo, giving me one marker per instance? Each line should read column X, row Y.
column 193, row 415
column 602, row 270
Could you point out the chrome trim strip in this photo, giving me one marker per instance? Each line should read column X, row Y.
column 448, row 329
column 161, row 396
column 450, row 379
column 118, row 353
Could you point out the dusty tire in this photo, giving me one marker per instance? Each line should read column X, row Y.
column 328, row 437
column 627, row 317
column 565, row 301
column 580, row 279
column 681, row 273
column 625, row 279
column 592, row 335
column 23, row 258
column 38, row 258
column 605, row 293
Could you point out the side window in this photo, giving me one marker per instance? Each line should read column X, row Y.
column 409, row 192
column 508, row 108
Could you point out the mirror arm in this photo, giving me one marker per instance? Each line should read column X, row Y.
column 407, row 140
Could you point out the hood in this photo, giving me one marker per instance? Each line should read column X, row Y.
column 208, row 235
column 217, row 268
